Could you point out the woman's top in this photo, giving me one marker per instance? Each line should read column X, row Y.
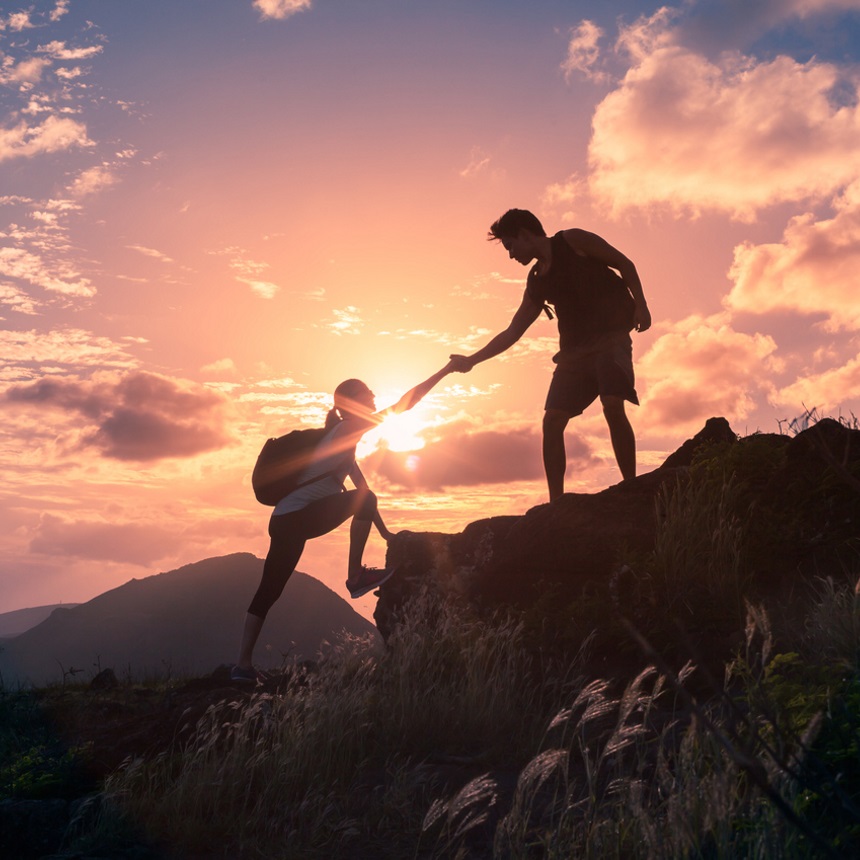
column 335, row 454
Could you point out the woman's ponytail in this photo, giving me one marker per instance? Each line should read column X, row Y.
column 332, row 419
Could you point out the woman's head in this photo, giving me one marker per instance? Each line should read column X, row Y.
column 353, row 397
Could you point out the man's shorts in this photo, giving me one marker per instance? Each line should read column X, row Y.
column 581, row 378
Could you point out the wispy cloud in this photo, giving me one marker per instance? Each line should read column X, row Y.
column 33, row 269
column 346, row 321
column 583, row 52
column 68, row 346
column 248, row 271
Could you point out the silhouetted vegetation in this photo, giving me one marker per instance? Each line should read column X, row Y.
column 693, row 716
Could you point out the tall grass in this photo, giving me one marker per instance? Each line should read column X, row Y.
column 459, row 740
column 351, row 753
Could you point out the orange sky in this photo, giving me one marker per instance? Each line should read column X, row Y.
column 212, row 212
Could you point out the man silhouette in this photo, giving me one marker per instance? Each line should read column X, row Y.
column 597, row 309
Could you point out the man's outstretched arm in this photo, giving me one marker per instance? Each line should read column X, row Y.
column 592, row 245
column 526, row 314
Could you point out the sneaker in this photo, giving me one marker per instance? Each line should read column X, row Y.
column 244, row 676
column 368, row 579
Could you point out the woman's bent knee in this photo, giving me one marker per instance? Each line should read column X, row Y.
column 368, row 505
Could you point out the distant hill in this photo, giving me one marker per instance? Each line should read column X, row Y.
column 16, row 622
column 186, row 621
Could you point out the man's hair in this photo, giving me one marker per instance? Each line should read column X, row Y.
column 514, row 220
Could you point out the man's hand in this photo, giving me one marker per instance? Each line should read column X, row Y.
column 641, row 317
column 460, row 363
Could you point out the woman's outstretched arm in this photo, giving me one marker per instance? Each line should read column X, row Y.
column 416, row 394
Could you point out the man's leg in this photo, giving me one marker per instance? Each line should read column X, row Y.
column 554, row 457
column 621, row 434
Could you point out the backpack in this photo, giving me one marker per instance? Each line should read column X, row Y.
column 280, row 463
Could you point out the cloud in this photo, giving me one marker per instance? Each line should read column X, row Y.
column 28, row 71
column 263, row 289
column 464, row 456
column 714, row 24
column 732, row 134
column 479, row 161
column 22, row 264
column 812, row 271
column 53, row 135
column 93, row 180
column 346, row 321
column 280, row 9
column 16, row 300
column 59, row 10
column 702, row 368
column 130, row 543
column 69, row 346
column 150, row 252
column 583, row 53
column 828, row 390
column 138, row 416
column 59, row 51
column 249, row 271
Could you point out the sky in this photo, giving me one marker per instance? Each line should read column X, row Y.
column 214, row 211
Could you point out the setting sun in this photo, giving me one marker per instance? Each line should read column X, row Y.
column 400, row 433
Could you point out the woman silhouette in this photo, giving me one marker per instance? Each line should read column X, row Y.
column 322, row 503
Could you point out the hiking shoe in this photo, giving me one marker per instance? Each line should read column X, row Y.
column 244, row 676
column 368, row 579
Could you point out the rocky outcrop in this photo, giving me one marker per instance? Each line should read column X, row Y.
column 576, row 544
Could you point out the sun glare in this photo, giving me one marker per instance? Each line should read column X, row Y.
column 399, row 433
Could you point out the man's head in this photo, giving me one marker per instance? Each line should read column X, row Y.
column 518, row 230
column 514, row 220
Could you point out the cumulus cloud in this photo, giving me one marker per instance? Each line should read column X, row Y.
column 52, row 135
column 464, row 456
column 280, row 9
column 687, row 133
column 828, row 390
column 812, row 271
column 138, row 416
column 701, row 368
column 130, row 543
column 690, row 132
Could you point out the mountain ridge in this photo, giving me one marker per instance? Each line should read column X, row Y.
column 183, row 621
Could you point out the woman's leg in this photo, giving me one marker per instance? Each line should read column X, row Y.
column 285, row 550
column 288, row 534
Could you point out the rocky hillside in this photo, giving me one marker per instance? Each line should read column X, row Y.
column 792, row 502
